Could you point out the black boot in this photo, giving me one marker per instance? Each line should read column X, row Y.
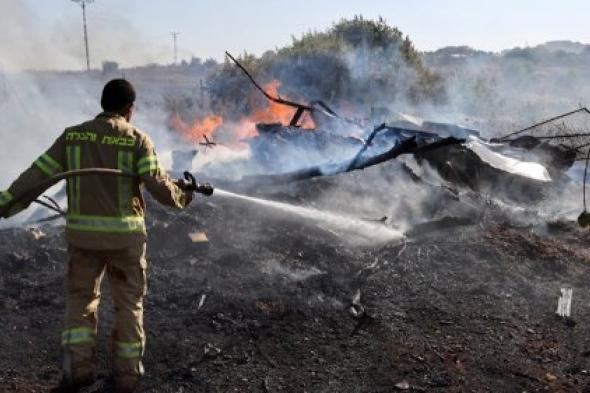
column 67, row 386
column 128, row 385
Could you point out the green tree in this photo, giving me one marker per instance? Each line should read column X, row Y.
column 360, row 60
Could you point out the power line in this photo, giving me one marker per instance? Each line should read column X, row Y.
column 83, row 4
column 174, row 37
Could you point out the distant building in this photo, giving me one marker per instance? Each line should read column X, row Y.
column 110, row 67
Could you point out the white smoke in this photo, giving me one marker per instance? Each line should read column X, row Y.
column 30, row 42
column 37, row 106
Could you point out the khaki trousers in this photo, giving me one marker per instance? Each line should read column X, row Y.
column 126, row 271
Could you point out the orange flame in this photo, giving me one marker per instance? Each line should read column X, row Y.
column 211, row 125
column 199, row 129
column 273, row 113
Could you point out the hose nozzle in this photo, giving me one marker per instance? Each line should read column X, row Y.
column 189, row 183
column 204, row 188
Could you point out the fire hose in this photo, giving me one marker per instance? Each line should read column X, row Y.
column 188, row 184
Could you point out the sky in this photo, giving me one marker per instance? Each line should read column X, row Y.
column 41, row 34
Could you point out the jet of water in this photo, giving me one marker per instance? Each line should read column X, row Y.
column 363, row 230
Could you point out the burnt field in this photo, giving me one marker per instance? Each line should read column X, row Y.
column 273, row 303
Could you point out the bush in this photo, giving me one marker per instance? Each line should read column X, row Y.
column 366, row 61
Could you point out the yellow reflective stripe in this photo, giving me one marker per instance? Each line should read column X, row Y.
column 79, row 335
column 125, row 184
column 77, row 159
column 129, row 349
column 147, row 159
column 127, row 224
column 48, row 165
column 5, row 197
column 148, row 164
column 73, row 156
column 151, row 169
column 43, row 168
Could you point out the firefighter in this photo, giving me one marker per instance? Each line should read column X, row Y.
column 105, row 232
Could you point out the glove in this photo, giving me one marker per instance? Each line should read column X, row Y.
column 180, row 183
column 188, row 197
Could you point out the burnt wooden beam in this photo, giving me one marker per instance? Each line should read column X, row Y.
column 296, row 117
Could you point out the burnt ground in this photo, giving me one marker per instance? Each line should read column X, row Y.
column 460, row 309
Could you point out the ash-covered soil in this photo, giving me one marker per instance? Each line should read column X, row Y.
column 275, row 304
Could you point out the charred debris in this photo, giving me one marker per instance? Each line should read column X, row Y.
column 519, row 165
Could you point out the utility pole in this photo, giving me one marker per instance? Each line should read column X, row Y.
column 174, row 37
column 3, row 87
column 83, row 4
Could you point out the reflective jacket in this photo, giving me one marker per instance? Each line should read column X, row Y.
column 104, row 211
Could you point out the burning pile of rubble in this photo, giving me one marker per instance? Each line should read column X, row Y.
column 287, row 141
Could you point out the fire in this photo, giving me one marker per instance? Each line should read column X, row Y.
column 277, row 113
column 199, row 129
column 213, row 126
column 273, row 113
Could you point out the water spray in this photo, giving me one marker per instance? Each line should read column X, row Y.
column 369, row 231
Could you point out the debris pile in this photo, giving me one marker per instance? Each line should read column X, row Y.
column 528, row 164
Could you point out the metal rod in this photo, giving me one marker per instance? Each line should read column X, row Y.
column 83, row 5
column 584, row 109
column 567, row 136
column 174, row 37
column 85, row 35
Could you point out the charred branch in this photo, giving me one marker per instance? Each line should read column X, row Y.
column 301, row 108
column 278, row 100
